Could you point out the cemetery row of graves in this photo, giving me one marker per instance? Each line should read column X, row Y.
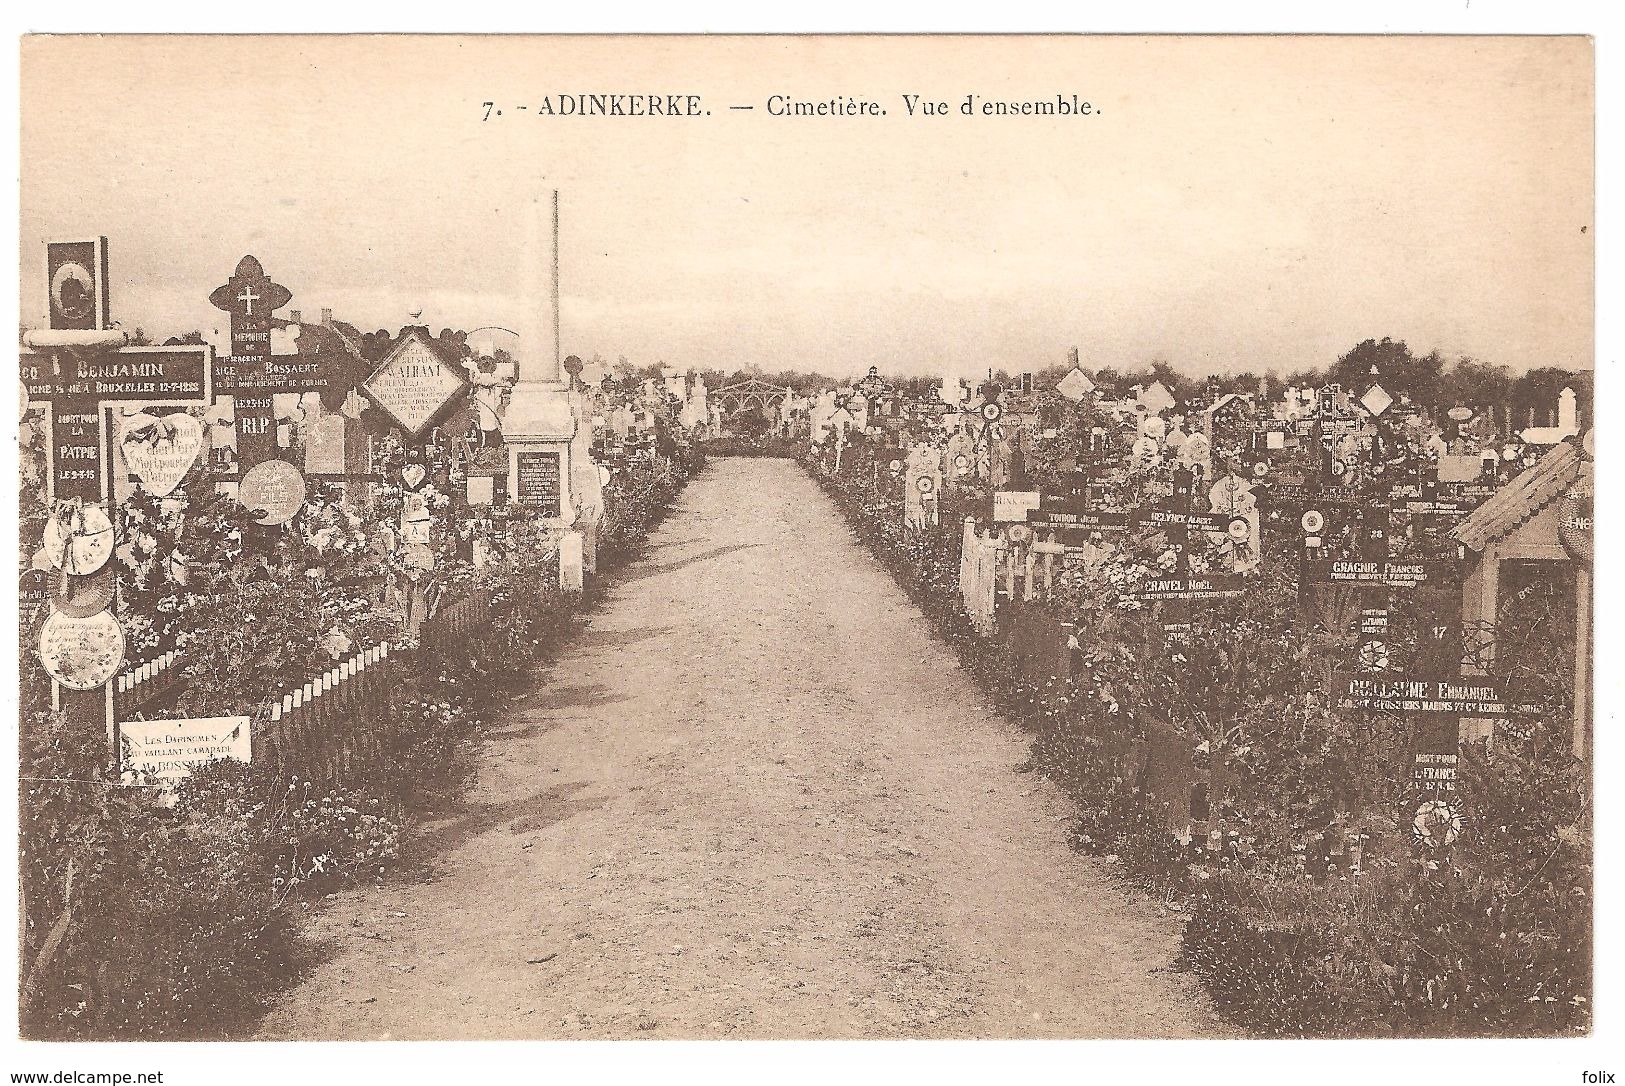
column 270, row 593
column 1313, row 669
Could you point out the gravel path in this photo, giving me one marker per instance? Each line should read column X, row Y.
column 752, row 799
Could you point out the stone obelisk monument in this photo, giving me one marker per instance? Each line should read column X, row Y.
column 541, row 423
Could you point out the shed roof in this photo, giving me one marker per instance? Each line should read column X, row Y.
column 1548, row 479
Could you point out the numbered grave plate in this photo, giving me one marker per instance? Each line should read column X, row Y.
column 82, row 653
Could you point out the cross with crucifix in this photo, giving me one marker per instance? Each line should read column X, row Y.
column 84, row 373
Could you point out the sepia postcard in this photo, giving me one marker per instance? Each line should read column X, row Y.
column 804, row 537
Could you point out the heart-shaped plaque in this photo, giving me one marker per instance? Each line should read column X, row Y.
column 412, row 475
column 161, row 452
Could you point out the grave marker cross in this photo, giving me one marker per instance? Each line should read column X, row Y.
column 249, row 374
column 84, row 371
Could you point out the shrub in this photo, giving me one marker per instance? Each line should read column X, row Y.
column 771, row 445
column 139, row 921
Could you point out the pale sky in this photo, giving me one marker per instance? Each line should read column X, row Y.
column 1238, row 203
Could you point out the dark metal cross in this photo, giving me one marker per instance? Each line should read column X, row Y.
column 249, row 374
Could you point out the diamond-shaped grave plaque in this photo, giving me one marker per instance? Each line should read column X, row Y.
column 1157, row 398
column 1376, row 400
column 414, row 384
column 1075, row 386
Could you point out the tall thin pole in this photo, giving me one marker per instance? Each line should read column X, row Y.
column 558, row 338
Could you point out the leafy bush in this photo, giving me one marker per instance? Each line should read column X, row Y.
column 139, row 922
column 771, row 445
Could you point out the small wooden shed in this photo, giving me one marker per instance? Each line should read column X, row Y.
column 1541, row 516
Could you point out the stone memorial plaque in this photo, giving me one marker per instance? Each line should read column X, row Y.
column 168, row 750
column 538, row 481
column 481, row 489
column 275, row 488
column 82, row 653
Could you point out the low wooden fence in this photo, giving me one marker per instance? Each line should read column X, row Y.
column 151, row 686
column 337, row 723
column 453, row 623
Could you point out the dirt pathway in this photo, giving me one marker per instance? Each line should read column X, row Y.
column 753, row 799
